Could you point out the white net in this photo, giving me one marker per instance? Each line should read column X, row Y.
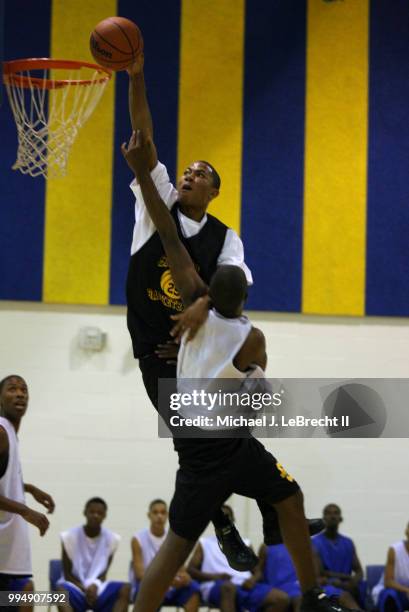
column 49, row 113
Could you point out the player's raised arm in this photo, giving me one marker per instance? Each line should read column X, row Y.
column 183, row 271
column 139, row 111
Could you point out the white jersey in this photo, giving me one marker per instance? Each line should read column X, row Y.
column 214, row 562
column 150, row 545
column 89, row 556
column 232, row 252
column 15, row 557
column 401, row 572
column 205, row 366
column 210, row 354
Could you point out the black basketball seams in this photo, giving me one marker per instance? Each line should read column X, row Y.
column 133, row 51
column 113, row 46
column 109, row 61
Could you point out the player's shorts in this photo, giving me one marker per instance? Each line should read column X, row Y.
column 174, row 597
column 332, row 591
column 10, row 582
column 250, row 600
column 104, row 603
column 152, row 369
column 400, row 600
column 291, row 588
column 178, row 597
column 245, row 468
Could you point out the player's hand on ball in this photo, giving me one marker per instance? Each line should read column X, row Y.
column 137, row 66
column 137, row 153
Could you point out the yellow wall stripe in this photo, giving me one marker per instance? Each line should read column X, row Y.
column 78, row 206
column 211, row 96
column 335, row 158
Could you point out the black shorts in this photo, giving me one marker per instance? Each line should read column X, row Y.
column 245, row 468
column 152, row 369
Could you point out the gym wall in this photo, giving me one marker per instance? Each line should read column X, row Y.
column 300, row 105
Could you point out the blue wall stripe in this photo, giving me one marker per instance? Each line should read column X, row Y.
column 387, row 260
column 273, row 151
column 2, row 91
column 162, row 80
column 27, row 34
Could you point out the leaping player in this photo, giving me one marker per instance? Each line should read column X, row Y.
column 152, row 297
column 229, row 465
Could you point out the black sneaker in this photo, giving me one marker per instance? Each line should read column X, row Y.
column 315, row 600
column 239, row 556
column 273, row 535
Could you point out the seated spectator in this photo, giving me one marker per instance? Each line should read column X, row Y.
column 145, row 544
column 276, row 569
column 392, row 592
column 87, row 553
column 339, row 568
column 225, row 588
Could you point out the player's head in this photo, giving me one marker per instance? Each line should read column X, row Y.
column 332, row 516
column 13, row 398
column 228, row 290
column 95, row 511
column 229, row 511
column 158, row 513
column 198, row 185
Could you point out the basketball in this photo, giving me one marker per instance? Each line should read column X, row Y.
column 116, row 42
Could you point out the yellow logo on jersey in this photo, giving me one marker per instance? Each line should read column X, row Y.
column 283, row 472
column 163, row 262
column 168, row 286
column 157, row 296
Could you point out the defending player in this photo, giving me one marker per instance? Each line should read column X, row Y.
column 217, row 468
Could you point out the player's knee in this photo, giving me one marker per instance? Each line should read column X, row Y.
column 228, row 588
column 29, row 586
column 125, row 591
column 194, row 599
column 278, row 598
column 347, row 600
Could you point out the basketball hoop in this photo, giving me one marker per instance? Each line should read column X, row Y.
column 48, row 111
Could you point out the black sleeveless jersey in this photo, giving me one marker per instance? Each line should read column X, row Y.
column 151, row 294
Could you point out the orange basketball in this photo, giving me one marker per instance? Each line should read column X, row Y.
column 116, row 42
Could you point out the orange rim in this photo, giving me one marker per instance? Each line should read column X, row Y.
column 12, row 69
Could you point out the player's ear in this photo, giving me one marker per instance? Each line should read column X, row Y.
column 213, row 194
